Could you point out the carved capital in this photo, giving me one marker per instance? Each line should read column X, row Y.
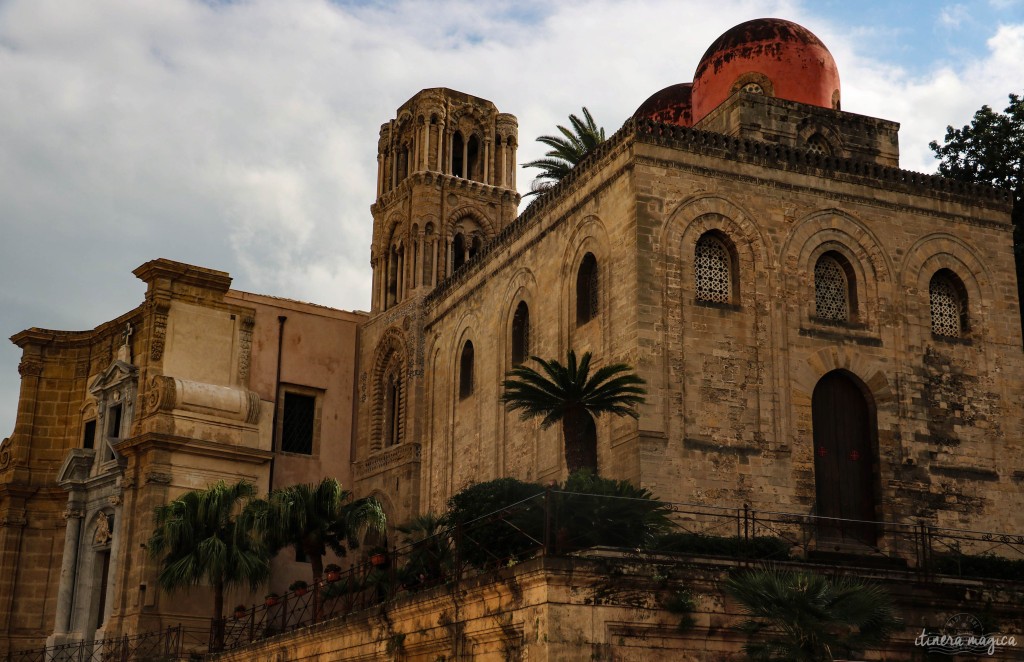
column 156, row 343
column 13, row 519
column 5, row 453
column 73, row 513
column 115, row 500
column 30, row 368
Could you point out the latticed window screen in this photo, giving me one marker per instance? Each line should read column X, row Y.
column 947, row 308
column 831, row 290
column 818, row 145
column 712, row 270
column 753, row 88
column 297, row 426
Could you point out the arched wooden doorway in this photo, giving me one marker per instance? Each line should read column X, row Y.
column 844, row 458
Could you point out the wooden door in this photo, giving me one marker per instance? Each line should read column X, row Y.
column 843, row 458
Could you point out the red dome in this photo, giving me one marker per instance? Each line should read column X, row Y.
column 668, row 106
column 780, row 58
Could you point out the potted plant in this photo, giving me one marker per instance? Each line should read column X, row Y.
column 240, row 611
column 332, row 572
column 272, row 599
column 298, row 587
column 379, row 557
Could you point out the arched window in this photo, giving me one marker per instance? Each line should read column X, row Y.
column 586, row 290
column 458, row 252
column 948, row 304
column 520, row 333
column 712, row 264
column 457, row 164
column 392, row 409
column 818, row 145
column 472, row 158
column 834, row 298
column 466, row 371
column 475, row 247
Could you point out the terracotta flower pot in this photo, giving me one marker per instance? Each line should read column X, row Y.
column 379, row 559
column 300, row 591
column 333, row 576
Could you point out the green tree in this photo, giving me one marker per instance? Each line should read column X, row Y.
column 312, row 517
column 200, row 537
column 806, row 617
column 566, row 150
column 592, row 511
column 428, row 549
column 990, row 150
column 570, row 395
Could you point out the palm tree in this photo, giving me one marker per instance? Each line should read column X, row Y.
column 429, row 550
column 314, row 517
column 570, row 395
column 200, row 537
column 805, row 617
column 566, row 150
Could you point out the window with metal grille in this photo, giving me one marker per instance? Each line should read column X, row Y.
column 297, row 424
column 947, row 305
column 712, row 270
column 520, row 333
column 586, row 290
column 831, row 290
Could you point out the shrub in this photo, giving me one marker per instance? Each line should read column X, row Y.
column 758, row 547
column 592, row 511
column 980, row 565
column 496, row 520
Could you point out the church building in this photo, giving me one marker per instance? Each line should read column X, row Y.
column 821, row 333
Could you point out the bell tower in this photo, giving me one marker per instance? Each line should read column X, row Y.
column 446, row 185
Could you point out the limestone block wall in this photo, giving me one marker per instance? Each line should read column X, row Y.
column 737, row 380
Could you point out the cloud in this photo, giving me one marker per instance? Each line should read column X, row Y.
column 242, row 135
column 952, row 16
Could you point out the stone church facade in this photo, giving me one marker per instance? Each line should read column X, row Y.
column 820, row 332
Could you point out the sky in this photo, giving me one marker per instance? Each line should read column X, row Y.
column 241, row 134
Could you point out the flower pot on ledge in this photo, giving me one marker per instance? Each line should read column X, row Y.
column 272, row 599
column 240, row 612
column 379, row 560
column 332, row 572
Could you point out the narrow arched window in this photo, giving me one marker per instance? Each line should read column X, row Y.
column 472, row 158
column 458, row 252
column 586, row 290
column 818, row 145
column 457, row 149
column 392, row 409
column 520, row 333
column 466, row 370
column 712, row 263
column 948, row 304
column 833, row 291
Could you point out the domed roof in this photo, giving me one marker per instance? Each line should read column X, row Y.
column 668, row 106
column 776, row 57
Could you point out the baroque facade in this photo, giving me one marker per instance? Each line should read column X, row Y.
column 820, row 332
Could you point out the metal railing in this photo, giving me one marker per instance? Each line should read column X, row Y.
column 156, row 646
column 560, row 523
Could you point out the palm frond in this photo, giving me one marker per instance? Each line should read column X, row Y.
column 567, row 150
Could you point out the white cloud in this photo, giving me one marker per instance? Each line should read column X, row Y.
column 242, row 136
column 953, row 16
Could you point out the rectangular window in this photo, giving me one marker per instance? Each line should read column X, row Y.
column 89, row 434
column 299, row 418
column 114, row 422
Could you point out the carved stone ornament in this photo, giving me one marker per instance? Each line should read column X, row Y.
column 5, row 452
column 158, row 477
column 28, row 368
column 156, row 344
column 115, row 500
column 161, row 394
column 73, row 513
column 103, row 533
column 245, row 348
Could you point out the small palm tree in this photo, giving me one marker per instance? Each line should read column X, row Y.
column 313, row 517
column 570, row 395
column 566, row 150
column 429, row 550
column 200, row 536
column 807, row 617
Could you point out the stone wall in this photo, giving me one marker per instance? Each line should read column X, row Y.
column 608, row 607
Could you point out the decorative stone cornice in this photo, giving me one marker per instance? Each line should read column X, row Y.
column 387, row 460
column 30, row 368
column 186, row 274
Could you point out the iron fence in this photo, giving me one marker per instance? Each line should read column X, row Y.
column 561, row 523
column 156, row 646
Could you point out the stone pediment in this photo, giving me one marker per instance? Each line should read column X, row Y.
column 117, row 372
column 76, row 466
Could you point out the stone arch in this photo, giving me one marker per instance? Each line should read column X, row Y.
column 390, row 380
column 834, row 231
column 931, row 254
column 520, row 288
column 868, row 369
column 589, row 236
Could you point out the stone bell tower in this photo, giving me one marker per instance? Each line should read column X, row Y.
column 446, row 186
